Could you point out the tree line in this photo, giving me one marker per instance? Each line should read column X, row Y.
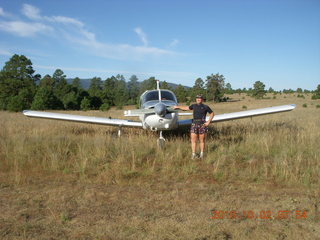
column 21, row 88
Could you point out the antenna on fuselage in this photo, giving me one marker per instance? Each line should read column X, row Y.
column 158, row 88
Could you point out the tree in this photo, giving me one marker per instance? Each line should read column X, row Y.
column 148, row 84
column 299, row 90
column 271, row 90
column 95, row 92
column 45, row 99
column 108, row 94
column 165, row 85
column 85, row 104
column 61, row 86
column 229, row 88
column 17, row 83
column 120, row 92
column 76, row 83
column 47, row 81
column 133, row 89
column 258, row 90
column 316, row 94
column 215, row 87
column 198, row 88
column 70, row 101
column 181, row 93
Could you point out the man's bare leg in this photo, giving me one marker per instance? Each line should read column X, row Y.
column 202, row 138
column 194, row 137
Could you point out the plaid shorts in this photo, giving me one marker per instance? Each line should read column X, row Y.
column 198, row 128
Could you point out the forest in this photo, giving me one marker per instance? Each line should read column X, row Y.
column 22, row 88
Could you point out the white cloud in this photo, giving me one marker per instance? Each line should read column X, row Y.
column 142, row 35
column 34, row 13
column 23, row 29
column 75, row 32
column 2, row 12
column 31, row 12
column 65, row 20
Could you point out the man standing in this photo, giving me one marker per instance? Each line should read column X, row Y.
column 199, row 126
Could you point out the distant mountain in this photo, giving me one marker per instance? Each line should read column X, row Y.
column 85, row 83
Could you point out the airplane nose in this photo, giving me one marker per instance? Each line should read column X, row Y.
column 160, row 109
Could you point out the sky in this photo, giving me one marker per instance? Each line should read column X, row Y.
column 276, row 42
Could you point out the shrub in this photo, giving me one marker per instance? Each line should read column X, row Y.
column 304, row 105
column 85, row 104
column 105, row 107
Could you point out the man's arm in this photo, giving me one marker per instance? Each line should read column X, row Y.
column 210, row 119
column 185, row 108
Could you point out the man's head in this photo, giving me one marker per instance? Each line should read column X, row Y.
column 199, row 99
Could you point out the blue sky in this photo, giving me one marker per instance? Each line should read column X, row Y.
column 276, row 42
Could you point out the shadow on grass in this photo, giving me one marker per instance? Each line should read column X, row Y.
column 229, row 134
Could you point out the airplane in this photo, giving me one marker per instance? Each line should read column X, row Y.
column 156, row 113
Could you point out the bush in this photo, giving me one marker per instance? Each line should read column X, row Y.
column 85, row 104
column 244, row 107
column 304, row 105
column 105, row 107
column 318, row 106
column 314, row 97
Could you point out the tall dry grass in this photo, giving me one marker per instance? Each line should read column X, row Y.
column 282, row 148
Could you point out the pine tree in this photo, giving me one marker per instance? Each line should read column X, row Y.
column 45, row 99
column 181, row 93
column 95, row 92
column 17, row 84
column 85, row 104
column 198, row 88
column 133, row 89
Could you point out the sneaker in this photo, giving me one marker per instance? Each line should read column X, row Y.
column 201, row 155
column 194, row 156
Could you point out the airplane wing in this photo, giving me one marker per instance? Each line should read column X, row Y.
column 85, row 119
column 244, row 114
column 140, row 112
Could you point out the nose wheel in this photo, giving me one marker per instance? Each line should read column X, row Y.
column 161, row 141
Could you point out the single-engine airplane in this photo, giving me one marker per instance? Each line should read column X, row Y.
column 156, row 113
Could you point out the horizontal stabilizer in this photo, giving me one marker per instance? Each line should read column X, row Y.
column 138, row 112
column 244, row 114
column 185, row 114
column 79, row 118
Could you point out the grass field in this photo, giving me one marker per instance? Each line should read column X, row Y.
column 63, row 180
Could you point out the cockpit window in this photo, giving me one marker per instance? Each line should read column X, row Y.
column 154, row 95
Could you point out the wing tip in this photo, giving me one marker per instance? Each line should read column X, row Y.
column 293, row 106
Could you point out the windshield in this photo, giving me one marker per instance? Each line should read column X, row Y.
column 153, row 95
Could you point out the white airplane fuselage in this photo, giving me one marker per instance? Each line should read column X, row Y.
column 158, row 117
column 155, row 122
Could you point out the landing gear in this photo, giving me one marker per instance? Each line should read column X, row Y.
column 161, row 141
column 119, row 131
